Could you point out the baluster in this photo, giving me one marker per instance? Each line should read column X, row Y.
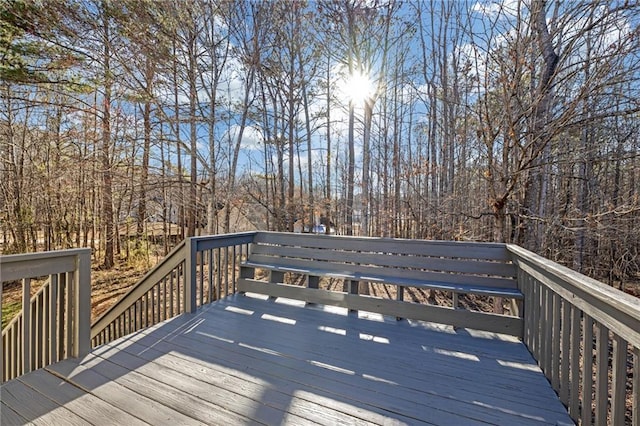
column 140, row 303
column 171, row 293
column 533, row 306
column 218, row 263
column 45, row 324
column 153, row 305
column 179, row 294
column 635, row 404
column 210, row 274
column 233, row 269
column 555, row 342
column 14, row 343
column 146, row 308
column 547, row 333
column 618, row 380
column 574, row 373
column 587, row 373
column 226, row 273
column 536, row 307
column 26, row 325
column 60, row 333
column 200, row 287
column 164, row 298
column 602, row 373
column 71, row 283
column 36, row 331
column 564, row 354
column 53, row 317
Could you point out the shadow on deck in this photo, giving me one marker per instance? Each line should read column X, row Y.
column 186, row 346
column 251, row 359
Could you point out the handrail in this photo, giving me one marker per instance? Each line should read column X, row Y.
column 584, row 334
column 562, row 310
column 15, row 267
column 613, row 308
column 191, row 275
column 151, row 278
column 54, row 323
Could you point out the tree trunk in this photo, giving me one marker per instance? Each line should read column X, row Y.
column 536, row 184
column 144, row 171
column 107, row 197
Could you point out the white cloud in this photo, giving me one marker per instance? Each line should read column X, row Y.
column 491, row 9
column 252, row 137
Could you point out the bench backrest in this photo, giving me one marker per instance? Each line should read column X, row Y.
column 465, row 263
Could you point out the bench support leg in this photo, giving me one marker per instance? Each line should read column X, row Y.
column 516, row 307
column 399, row 297
column 276, row 277
column 247, row 272
column 313, row 282
column 351, row 287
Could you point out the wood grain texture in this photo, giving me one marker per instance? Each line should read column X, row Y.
column 438, row 314
column 372, row 255
column 91, row 408
column 454, row 249
column 8, row 417
column 251, row 359
column 618, row 311
column 435, row 280
column 471, row 268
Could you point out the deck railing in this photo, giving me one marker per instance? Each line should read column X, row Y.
column 198, row 271
column 54, row 323
column 585, row 336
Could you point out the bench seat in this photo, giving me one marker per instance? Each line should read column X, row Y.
column 456, row 268
column 388, row 279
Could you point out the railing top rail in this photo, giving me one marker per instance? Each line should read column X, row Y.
column 398, row 240
column 225, row 236
column 208, row 242
column 29, row 265
column 11, row 258
column 618, row 311
column 172, row 259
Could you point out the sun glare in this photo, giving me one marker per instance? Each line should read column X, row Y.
column 358, row 87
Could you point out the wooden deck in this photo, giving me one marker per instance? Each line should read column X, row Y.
column 246, row 360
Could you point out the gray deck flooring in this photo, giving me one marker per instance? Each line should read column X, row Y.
column 248, row 360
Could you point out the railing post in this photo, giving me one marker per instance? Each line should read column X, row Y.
column 26, row 325
column 82, row 305
column 191, row 262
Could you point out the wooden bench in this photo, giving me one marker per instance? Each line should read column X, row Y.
column 457, row 267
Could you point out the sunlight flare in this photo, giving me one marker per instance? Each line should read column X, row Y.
column 358, row 87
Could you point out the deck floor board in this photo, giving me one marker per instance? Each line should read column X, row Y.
column 252, row 360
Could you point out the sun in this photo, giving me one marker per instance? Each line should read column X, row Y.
column 358, row 87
